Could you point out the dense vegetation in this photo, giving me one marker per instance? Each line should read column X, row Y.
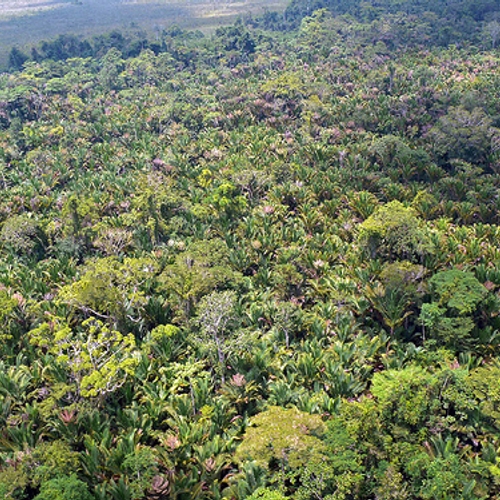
column 260, row 265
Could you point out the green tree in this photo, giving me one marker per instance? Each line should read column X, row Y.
column 8, row 306
column 393, row 232
column 483, row 381
column 112, row 289
column 448, row 477
column 99, row 360
column 463, row 134
column 404, row 397
column 266, row 494
column 111, row 67
column 141, row 468
column 34, row 467
column 450, row 317
column 282, row 439
column 200, row 269
column 17, row 58
column 492, row 31
column 64, row 488
column 22, row 235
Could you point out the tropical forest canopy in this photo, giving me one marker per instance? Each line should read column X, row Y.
column 261, row 264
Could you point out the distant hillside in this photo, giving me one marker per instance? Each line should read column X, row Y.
column 25, row 23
